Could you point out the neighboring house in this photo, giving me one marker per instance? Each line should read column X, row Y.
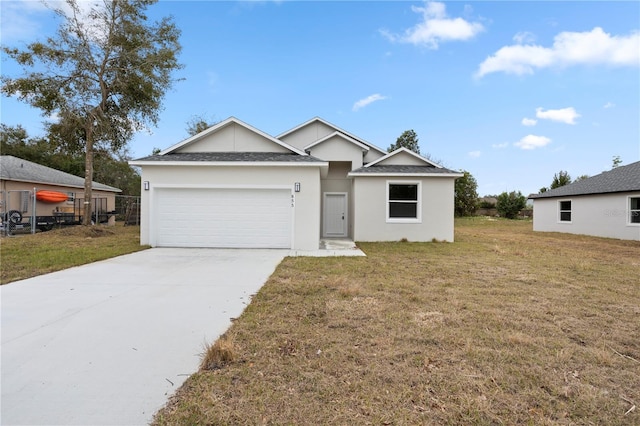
column 19, row 178
column 605, row 205
column 233, row 185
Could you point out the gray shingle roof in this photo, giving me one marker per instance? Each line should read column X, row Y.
column 233, row 156
column 621, row 179
column 17, row 169
column 403, row 169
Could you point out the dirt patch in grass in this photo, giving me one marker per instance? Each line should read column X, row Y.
column 25, row 256
column 505, row 326
column 88, row 231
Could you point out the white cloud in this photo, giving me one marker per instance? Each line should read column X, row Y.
column 475, row 154
column 368, row 100
column 564, row 115
column 19, row 20
column 435, row 28
column 608, row 105
column 54, row 117
column 532, row 142
column 593, row 47
column 524, row 37
column 500, row 145
column 529, row 121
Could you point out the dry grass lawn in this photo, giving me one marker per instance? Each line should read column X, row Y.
column 27, row 255
column 505, row 326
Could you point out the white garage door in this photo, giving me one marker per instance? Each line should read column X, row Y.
column 231, row 218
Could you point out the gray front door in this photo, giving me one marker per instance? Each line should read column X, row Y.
column 335, row 214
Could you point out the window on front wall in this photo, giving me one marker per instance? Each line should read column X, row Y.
column 564, row 208
column 403, row 201
column 634, row 210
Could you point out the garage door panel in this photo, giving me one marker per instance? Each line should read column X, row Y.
column 242, row 218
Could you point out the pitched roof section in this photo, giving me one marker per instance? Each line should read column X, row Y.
column 17, row 169
column 399, row 170
column 231, row 120
column 362, row 146
column 621, row 179
column 338, row 129
column 401, row 151
column 228, row 157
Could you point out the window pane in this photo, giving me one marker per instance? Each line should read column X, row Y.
column 565, row 216
column 403, row 192
column 25, row 197
column 403, row 210
column 565, row 205
column 635, row 216
column 635, row 203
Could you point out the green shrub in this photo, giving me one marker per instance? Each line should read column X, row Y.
column 510, row 203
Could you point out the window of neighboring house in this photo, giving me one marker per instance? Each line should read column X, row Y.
column 565, row 210
column 25, row 198
column 634, row 210
column 403, row 201
column 71, row 197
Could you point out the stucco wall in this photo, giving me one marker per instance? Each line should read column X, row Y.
column 603, row 215
column 370, row 221
column 233, row 138
column 308, row 134
column 307, row 201
column 372, row 155
column 316, row 131
column 402, row 159
column 338, row 149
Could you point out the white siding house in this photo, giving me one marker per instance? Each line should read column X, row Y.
column 233, row 185
column 605, row 205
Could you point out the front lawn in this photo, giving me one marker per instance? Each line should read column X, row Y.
column 505, row 326
column 25, row 256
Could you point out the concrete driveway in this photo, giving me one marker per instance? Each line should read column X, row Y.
column 108, row 343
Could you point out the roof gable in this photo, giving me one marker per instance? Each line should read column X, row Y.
column 403, row 157
column 621, row 179
column 337, row 136
column 16, row 169
column 316, row 129
column 231, row 135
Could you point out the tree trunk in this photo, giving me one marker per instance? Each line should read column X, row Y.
column 88, row 175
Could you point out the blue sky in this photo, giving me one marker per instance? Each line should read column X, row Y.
column 511, row 91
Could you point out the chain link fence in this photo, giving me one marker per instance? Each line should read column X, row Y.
column 18, row 212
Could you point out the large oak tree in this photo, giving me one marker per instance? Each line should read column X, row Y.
column 103, row 74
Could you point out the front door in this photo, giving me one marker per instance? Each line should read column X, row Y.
column 335, row 214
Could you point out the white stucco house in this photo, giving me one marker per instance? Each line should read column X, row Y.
column 605, row 205
column 233, row 185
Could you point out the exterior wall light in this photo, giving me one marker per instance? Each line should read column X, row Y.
column 146, row 185
column 296, row 186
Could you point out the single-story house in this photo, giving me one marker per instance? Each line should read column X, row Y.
column 233, row 185
column 20, row 178
column 605, row 205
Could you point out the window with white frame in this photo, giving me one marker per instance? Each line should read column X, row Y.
column 564, row 209
column 403, row 201
column 71, row 197
column 634, row 210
